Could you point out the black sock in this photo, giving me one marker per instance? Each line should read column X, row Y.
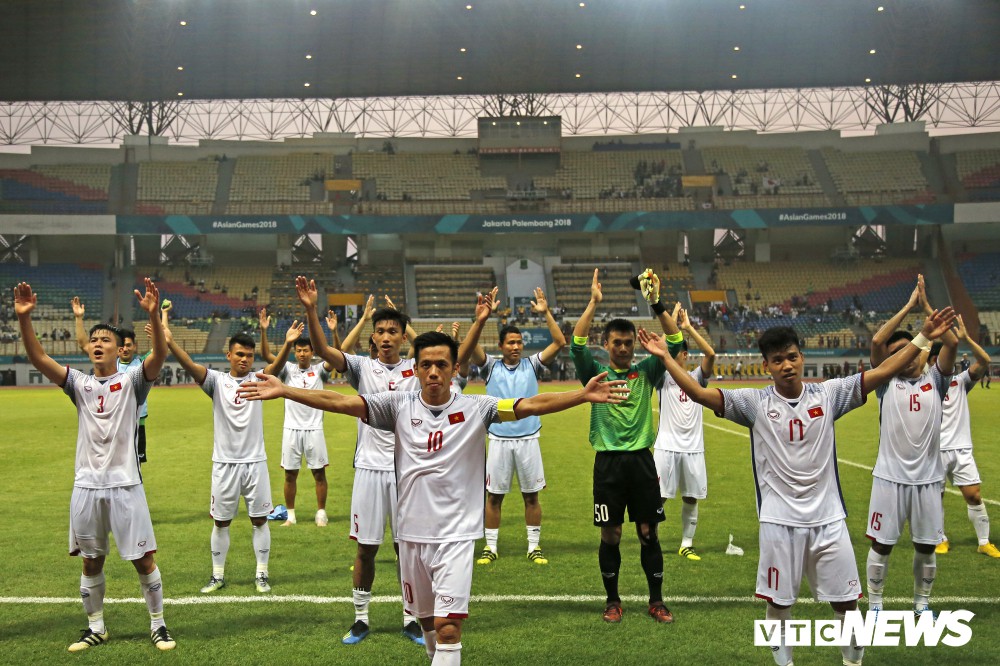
column 652, row 564
column 610, row 559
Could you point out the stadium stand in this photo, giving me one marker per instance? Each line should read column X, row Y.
column 596, row 175
column 445, row 291
column 749, row 168
column 981, row 275
column 381, row 281
column 183, row 188
column 874, row 178
column 979, row 173
column 80, row 189
column 424, row 176
column 572, row 283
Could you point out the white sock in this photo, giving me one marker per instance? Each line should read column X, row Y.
column 361, row 600
column 689, row 523
column 491, row 539
column 534, row 536
column 220, row 549
column 262, row 546
column 782, row 655
column 981, row 521
column 92, row 593
column 291, row 515
column 447, row 654
column 152, row 591
column 878, row 566
column 924, row 571
column 430, row 642
column 853, row 652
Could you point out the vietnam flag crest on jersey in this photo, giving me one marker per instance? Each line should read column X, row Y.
column 457, row 417
column 926, row 387
column 312, row 374
column 117, row 386
column 815, row 412
column 407, row 373
column 634, row 374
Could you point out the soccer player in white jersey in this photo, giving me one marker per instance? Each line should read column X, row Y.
column 679, row 449
column 108, row 495
column 956, row 442
column 514, row 446
column 373, row 497
column 908, row 477
column 799, row 502
column 239, row 462
column 438, row 449
column 303, row 432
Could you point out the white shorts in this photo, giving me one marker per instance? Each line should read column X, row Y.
column 507, row 457
column 230, row 481
column 311, row 443
column 823, row 553
column 373, row 498
column 960, row 467
column 892, row 504
column 684, row 470
column 436, row 578
column 93, row 512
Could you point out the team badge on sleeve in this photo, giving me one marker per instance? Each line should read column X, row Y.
column 457, row 417
column 815, row 412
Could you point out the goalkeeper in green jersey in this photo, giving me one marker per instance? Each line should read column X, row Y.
column 622, row 435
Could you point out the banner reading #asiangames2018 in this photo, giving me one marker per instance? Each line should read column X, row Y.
column 760, row 218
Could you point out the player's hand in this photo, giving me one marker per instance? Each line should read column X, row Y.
column 439, row 329
column 915, row 294
column 922, row 296
column 369, row 308
column 264, row 319
column 388, row 302
column 683, row 322
column 455, row 327
column 960, row 331
column 268, row 387
column 652, row 343
column 540, row 304
column 596, row 296
column 167, row 335
column 294, row 331
column 938, row 323
column 78, row 308
column 306, row 291
column 598, row 390
column 148, row 328
column 485, row 305
column 150, row 301
column 676, row 312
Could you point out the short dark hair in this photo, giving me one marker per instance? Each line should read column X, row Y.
column 509, row 328
column 435, row 339
column 777, row 339
column 389, row 314
column 618, row 325
column 303, row 341
column 242, row 339
column 897, row 336
column 111, row 329
column 126, row 334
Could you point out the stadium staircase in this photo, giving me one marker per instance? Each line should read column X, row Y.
column 218, row 335
column 129, row 188
column 824, row 178
column 934, row 174
column 226, row 170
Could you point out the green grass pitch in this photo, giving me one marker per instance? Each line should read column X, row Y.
column 521, row 613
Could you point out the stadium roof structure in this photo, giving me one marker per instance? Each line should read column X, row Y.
column 58, row 50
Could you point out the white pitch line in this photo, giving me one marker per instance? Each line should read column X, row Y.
column 482, row 599
column 842, row 460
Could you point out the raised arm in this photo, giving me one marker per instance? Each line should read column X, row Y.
column 708, row 361
column 934, row 327
column 81, row 332
column 269, row 387
column 265, row 321
column 331, row 324
column 195, row 370
column 879, row 350
column 309, row 296
column 541, row 306
column 652, row 295
column 485, row 304
column 150, row 302
column 657, row 346
column 24, row 303
column 411, row 333
column 949, row 341
column 982, row 360
column 351, row 340
column 294, row 333
column 596, row 390
column 582, row 328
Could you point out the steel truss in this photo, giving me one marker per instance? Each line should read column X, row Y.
column 947, row 106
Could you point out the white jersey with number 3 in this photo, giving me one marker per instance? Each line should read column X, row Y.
column 956, row 432
column 680, row 417
column 239, row 423
column 910, row 428
column 367, row 376
column 440, row 457
column 794, row 448
column 297, row 415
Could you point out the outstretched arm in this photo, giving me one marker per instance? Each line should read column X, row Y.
column 294, row 333
column 265, row 321
column 708, row 361
column 582, row 328
column 879, row 347
column 657, row 346
column 351, row 340
column 150, row 302
column 982, row 363
column 269, row 387
column 596, row 390
column 485, row 304
column 934, row 327
column 331, row 324
column 309, row 296
column 24, row 303
column 541, row 305
column 411, row 333
column 81, row 332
